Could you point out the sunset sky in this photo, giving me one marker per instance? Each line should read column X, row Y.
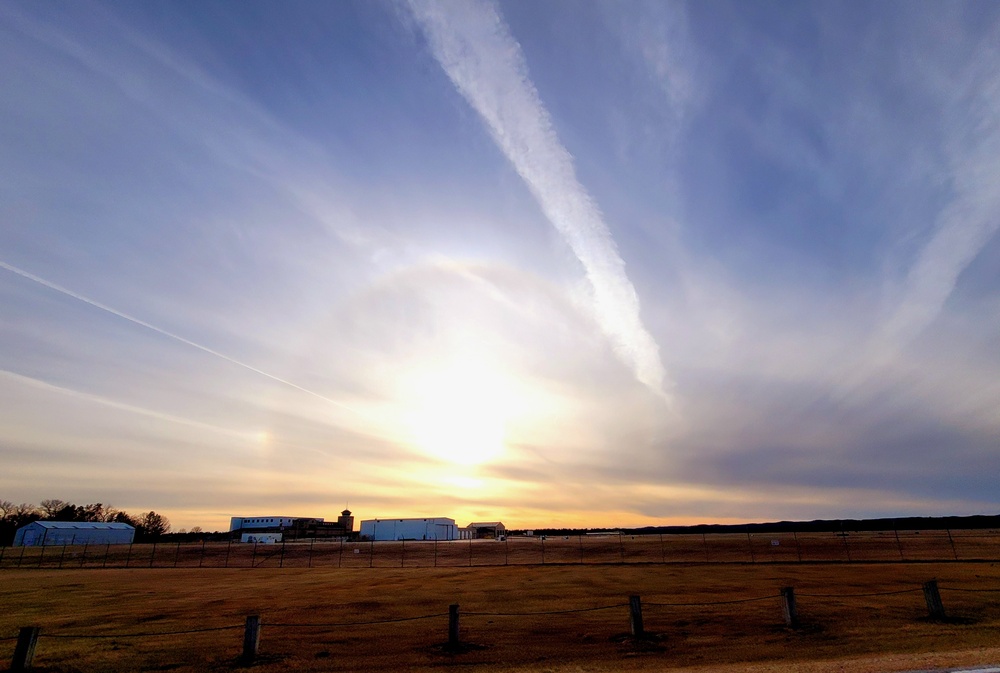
column 550, row 263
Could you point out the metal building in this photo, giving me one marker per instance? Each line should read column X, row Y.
column 439, row 528
column 40, row 533
column 485, row 530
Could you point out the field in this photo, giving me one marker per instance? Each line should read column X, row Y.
column 841, row 630
column 854, row 546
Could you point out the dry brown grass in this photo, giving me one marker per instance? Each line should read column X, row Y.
column 885, row 632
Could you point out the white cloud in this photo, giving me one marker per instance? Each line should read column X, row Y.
column 474, row 46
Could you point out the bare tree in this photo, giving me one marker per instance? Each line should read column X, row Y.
column 196, row 529
column 53, row 507
column 7, row 507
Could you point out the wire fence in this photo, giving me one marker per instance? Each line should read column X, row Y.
column 630, row 613
column 792, row 547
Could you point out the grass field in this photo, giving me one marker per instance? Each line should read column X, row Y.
column 840, row 631
column 853, row 546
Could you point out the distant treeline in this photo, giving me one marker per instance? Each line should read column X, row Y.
column 148, row 526
column 817, row 526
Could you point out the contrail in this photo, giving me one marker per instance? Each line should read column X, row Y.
column 171, row 335
column 114, row 404
column 485, row 63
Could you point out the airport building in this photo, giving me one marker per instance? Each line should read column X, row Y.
column 490, row 530
column 439, row 528
column 42, row 533
column 277, row 528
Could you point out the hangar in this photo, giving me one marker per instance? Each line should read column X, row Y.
column 41, row 533
column 439, row 528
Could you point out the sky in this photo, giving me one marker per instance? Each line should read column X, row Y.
column 555, row 264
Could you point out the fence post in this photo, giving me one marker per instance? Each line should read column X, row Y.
column 107, row 550
column 402, row 554
column 798, row 547
column 23, row 546
column 62, row 554
column 152, row 557
column 281, row 559
column 340, row 559
column 932, row 596
column 952, row 541
column 83, row 559
column 704, row 543
column 753, row 559
column 228, row 548
column 635, row 616
column 177, row 552
column 470, row 551
column 42, row 554
column 311, row 545
column 663, row 550
column 201, row 561
column 453, row 625
column 128, row 557
column 579, row 538
column 253, row 559
column 543, row 550
column 251, row 638
column 2, row 550
column 506, row 551
column 788, row 604
column 371, row 553
column 899, row 545
column 621, row 546
column 24, row 651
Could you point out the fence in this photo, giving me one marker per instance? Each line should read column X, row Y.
column 879, row 546
column 629, row 612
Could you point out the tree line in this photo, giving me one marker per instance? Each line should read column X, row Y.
column 148, row 525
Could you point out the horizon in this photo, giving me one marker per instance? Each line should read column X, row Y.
column 616, row 265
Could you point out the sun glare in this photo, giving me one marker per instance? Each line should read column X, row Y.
column 459, row 414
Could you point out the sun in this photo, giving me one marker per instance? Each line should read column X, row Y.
column 458, row 414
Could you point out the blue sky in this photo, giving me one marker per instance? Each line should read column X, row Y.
column 550, row 263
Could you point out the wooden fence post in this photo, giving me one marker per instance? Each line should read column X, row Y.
column 899, row 545
column 177, row 552
column 635, row 616
column 312, row 544
column 798, row 547
column 107, row 550
column 788, row 604
column 663, row 550
column 228, row 549
column 152, row 557
column 932, row 596
column 42, row 554
column 128, row 557
column 251, row 638
column 201, row 561
column 453, row 640
column 951, row 540
column 253, row 559
column 281, row 560
column 753, row 559
column 24, row 651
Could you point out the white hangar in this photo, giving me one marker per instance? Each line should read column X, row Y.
column 439, row 528
column 40, row 533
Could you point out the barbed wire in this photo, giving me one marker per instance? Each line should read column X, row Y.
column 741, row 600
column 147, row 634
column 876, row 593
column 971, row 591
column 366, row 623
column 544, row 612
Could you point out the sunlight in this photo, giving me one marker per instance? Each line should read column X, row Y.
column 459, row 413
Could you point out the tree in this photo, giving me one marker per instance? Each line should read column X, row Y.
column 153, row 524
column 196, row 529
column 53, row 507
column 7, row 507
